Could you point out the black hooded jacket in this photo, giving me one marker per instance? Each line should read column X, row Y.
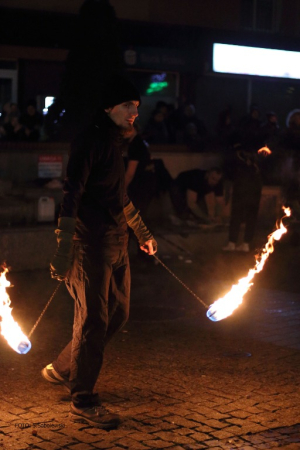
column 94, row 188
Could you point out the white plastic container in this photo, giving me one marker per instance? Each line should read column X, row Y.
column 46, row 209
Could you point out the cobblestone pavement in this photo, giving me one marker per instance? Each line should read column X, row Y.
column 179, row 380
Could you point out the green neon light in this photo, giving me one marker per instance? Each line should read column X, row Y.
column 157, row 86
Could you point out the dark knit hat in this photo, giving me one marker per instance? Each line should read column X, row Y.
column 117, row 90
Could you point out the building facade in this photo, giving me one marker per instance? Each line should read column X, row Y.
column 167, row 45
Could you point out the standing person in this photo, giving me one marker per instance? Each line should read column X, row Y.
column 249, row 127
column 246, row 195
column 92, row 254
column 32, row 121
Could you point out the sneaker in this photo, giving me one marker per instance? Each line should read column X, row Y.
column 97, row 416
column 244, row 247
column 230, row 247
column 50, row 374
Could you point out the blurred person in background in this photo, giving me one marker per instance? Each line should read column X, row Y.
column 190, row 192
column 156, row 130
column 32, row 121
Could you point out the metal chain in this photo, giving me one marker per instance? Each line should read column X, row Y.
column 44, row 310
column 181, row 282
column 157, row 259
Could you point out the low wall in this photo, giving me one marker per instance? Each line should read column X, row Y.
column 180, row 161
column 21, row 162
column 27, row 248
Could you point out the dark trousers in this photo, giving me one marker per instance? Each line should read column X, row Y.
column 99, row 282
column 243, row 211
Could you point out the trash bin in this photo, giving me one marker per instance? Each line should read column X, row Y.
column 46, row 209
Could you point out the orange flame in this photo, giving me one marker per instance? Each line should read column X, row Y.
column 9, row 328
column 265, row 151
column 224, row 307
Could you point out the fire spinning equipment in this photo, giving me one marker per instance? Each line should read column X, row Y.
column 265, row 151
column 9, row 328
column 220, row 309
column 181, row 282
column 224, row 307
column 25, row 345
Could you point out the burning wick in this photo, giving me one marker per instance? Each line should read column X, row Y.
column 224, row 307
column 265, row 151
column 9, row 328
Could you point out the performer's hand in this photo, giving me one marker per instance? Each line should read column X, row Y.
column 59, row 267
column 149, row 247
column 62, row 261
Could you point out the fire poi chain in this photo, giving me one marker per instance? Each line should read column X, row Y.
column 220, row 309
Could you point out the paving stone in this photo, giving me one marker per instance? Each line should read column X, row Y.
column 184, row 431
column 159, row 444
column 199, row 437
column 194, row 446
column 6, row 417
column 221, row 434
column 196, row 417
column 48, row 445
column 132, row 444
column 204, row 429
column 177, row 420
column 167, row 378
column 105, row 445
column 174, row 437
column 240, row 414
column 216, row 424
column 82, row 446
column 64, row 440
column 177, row 447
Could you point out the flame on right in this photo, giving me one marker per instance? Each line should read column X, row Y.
column 224, row 306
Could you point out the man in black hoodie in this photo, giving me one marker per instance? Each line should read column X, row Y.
column 92, row 255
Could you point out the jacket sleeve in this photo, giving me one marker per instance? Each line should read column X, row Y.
column 78, row 170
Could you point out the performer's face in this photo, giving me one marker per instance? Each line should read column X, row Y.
column 124, row 114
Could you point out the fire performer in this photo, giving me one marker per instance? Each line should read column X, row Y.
column 92, row 255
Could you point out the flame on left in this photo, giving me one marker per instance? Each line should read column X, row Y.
column 9, row 328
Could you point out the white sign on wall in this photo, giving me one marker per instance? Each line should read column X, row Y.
column 50, row 166
column 265, row 62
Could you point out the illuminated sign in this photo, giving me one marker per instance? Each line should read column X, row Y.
column 265, row 62
column 158, row 83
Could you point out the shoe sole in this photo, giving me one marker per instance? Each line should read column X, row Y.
column 48, row 378
column 84, row 420
column 53, row 380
